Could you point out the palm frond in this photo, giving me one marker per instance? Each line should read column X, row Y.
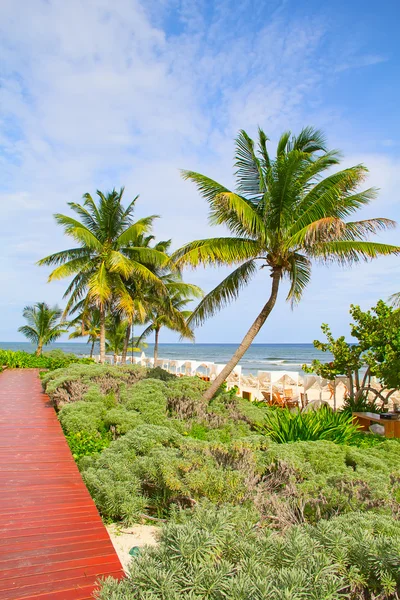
column 394, row 300
column 88, row 201
column 100, row 286
column 30, row 333
column 239, row 214
column 299, row 275
column 262, row 146
column 131, row 234
column 350, row 252
column 65, row 255
column 217, row 251
column 208, row 188
column 309, row 140
column 86, row 217
column 249, row 174
column 282, row 143
column 227, row 291
column 78, row 231
column 359, row 230
column 69, row 268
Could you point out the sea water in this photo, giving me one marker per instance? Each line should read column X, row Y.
column 259, row 357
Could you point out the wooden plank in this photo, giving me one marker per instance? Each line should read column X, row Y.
column 53, row 544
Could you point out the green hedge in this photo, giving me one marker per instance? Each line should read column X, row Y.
column 54, row 359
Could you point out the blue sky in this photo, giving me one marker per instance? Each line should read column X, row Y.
column 98, row 94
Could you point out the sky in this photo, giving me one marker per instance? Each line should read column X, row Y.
column 97, row 94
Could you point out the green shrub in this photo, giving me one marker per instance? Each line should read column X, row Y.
column 307, row 481
column 159, row 373
column 83, row 416
column 54, row 359
column 172, row 469
column 284, row 426
column 71, row 384
column 221, row 554
column 83, row 443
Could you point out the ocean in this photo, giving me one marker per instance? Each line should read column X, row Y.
column 259, row 357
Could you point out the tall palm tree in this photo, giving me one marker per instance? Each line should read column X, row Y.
column 106, row 256
column 170, row 310
column 283, row 215
column 44, row 325
column 87, row 324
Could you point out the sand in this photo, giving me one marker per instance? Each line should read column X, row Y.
column 124, row 538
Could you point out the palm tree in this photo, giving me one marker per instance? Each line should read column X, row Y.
column 169, row 310
column 115, row 334
column 283, row 215
column 106, row 256
column 87, row 324
column 139, row 290
column 43, row 326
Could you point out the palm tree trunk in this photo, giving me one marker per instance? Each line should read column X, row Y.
column 126, row 344
column 102, row 335
column 157, row 333
column 92, row 348
column 248, row 338
column 39, row 348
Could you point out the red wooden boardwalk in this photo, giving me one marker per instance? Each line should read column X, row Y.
column 53, row 544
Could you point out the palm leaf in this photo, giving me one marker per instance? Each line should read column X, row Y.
column 249, row 172
column 217, row 251
column 131, row 234
column 349, row 252
column 227, row 291
column 64, row 256
column 299, row 275
column 240, row 215
column 78, row 231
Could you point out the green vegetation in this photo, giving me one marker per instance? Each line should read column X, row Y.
column 377, row 351
column 173, row 448
column 44, row 325
column 284, row 214
column 219, row 554
column 249, row 516
column 284, row 426
column 54, row 359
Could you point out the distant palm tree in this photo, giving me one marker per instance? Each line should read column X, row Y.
column 44, row 325
column 169, row 311
column 106, row 257
column 87, row 324
column 285, row 215
column 141, row 292
column 115, row 334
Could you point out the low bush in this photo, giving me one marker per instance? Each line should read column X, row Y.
column 70, row 385
column 284, row 426
column 54, row 359
column 160, row 467
column 222, row 554
column 85, row 444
